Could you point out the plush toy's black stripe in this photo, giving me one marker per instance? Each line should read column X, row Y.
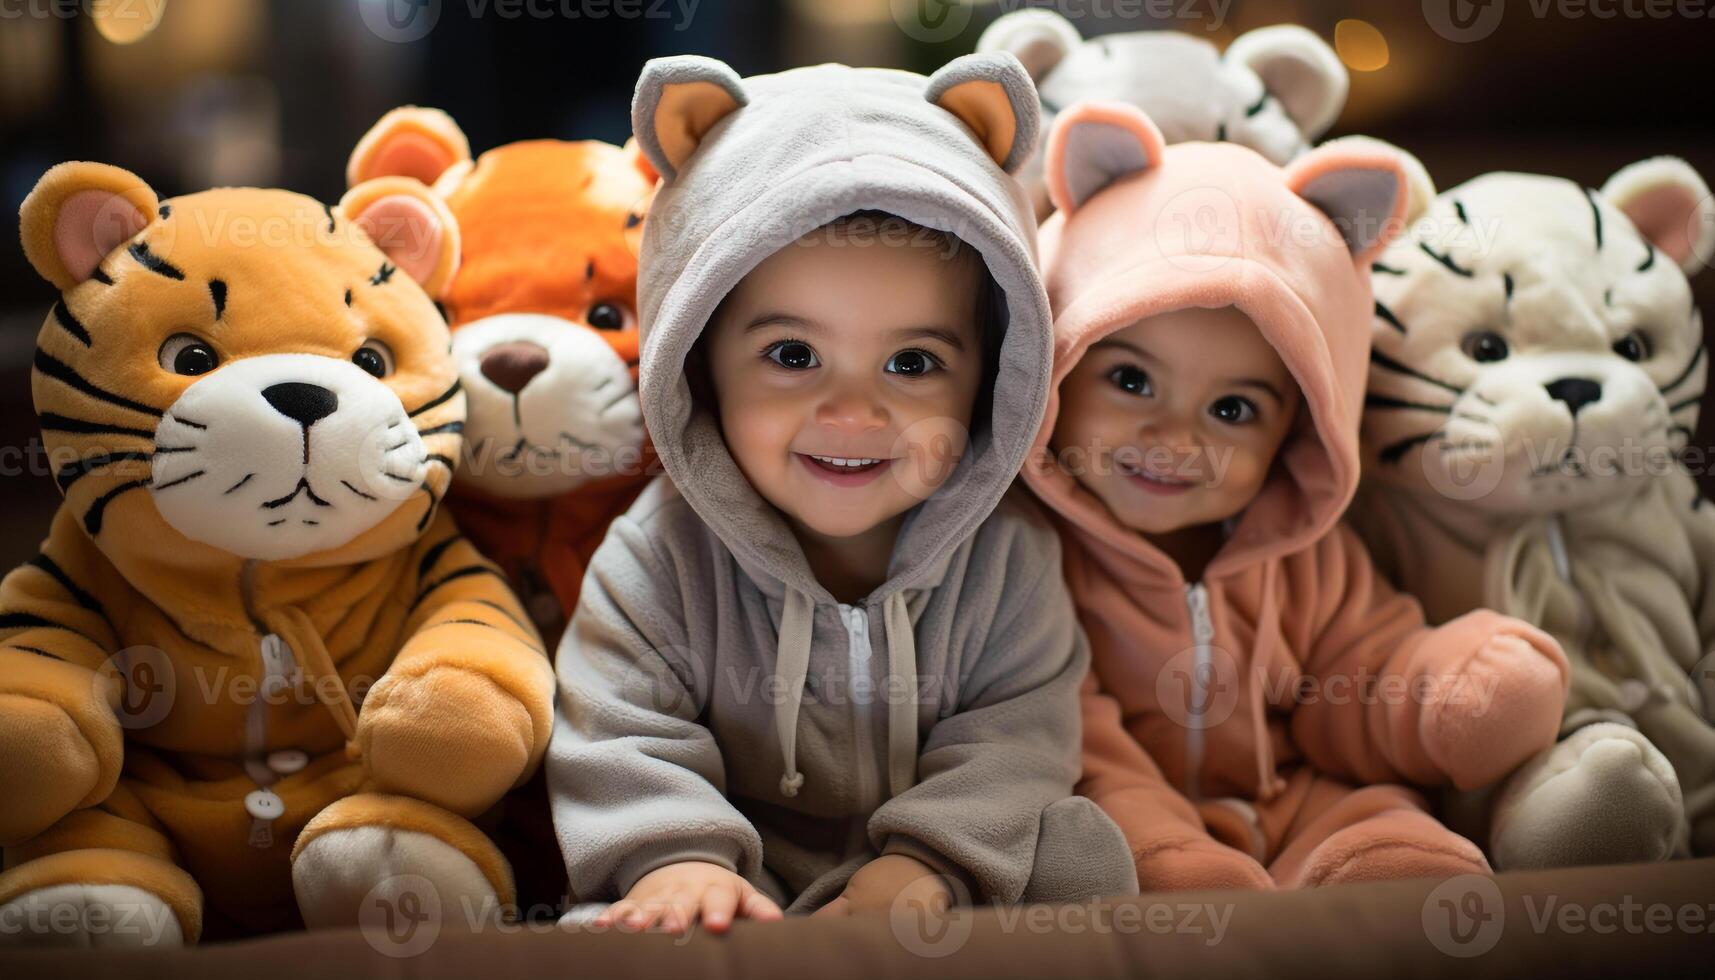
column 1596, row 215
column 329, row 210
column 1393, row 453
column 1446, row 260
column 1387, row 363
column 76, row 470
column 434, row 501
column 439, row 399
column 434, row 554
column 69, row 324
column 1459, row 209
column 100, row 275
column 24, row 621
column 383, row 274
column 154, row 263
column 92, row 517
column 1387, row 317
column 443, row 429
column 1384, row 401
column 38, row 651
column 1252, row 110
column 217, row 289
column 464, row 572
column 440, row 458
column 1685, row 375
column 1686, row 403
column 1386, row 270
column 1507, row 283
column 79, row 595
column 497, row 607
column 59, row 370
column 1649, row 258
column 53, row 422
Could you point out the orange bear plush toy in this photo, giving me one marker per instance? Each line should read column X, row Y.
column 545, row 334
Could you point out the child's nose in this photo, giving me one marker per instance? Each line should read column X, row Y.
column 852, row 407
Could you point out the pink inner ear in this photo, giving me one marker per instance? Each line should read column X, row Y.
column 1663, row 216
column 408, row 231
column 91, row 224
column 410, row 155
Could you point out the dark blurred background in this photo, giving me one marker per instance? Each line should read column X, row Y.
column 276, row 92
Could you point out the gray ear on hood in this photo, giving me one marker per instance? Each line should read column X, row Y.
column 1093, row 144
column 993, row 95
column 1039, row 38
column 1363, row 187
column 1299, row 69
column 677, row 101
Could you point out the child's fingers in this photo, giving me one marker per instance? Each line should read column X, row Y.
column 841, row 905
column 760, row 907
column 720, row 903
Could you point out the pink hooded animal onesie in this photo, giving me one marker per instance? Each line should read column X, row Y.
column 1263, row 727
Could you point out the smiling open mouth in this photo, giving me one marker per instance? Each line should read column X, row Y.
column 845, row 471
column 1154, row 482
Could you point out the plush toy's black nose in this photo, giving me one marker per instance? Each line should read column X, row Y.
column 304, row 404
column 1575, row 392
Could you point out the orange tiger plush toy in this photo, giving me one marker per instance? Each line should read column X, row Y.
column 255, row 674
column 545, row 334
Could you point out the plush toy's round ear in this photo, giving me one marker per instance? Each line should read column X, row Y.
column 77, row 214
column 408, row 142
column 412, row 227
column 1420, row 187
column 1363, row 188
column 1038, row 38
column 993, row 95
column 1671, row 207
column 1094, row 144
column 677, row 101
column 1299, row 69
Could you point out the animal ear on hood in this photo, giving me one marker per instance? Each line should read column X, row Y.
column 1420, row 187
column 77, row 214
column 1038, row 38
column 677, row 101
column 1094, row 144
column 1363, row 188
column 411, row 225
column 1299, row 69
column 408, row 142
column 993, row 95
column 1671, row 207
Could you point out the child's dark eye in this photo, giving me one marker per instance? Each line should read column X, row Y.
column 1233, row 410
column 912, row 363
column 793, row 355
column 1131, row 380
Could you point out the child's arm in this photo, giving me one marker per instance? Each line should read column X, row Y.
column 464, row 711
column 1393, row 699
column 637, row 783
column 61, row 744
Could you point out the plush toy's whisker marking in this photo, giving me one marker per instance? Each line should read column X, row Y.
column 79, row 594
column 235, row 486
column 442, row 429
column 1473, row 417
column 360, row 493
column 1507, row 284
column 439, row 399
column 396, row 476
column 1446, row 260
column 1690, row 402
column 1389, row 364
column 429, row 512
column 92, row 517
column 181, row 480
column 1595, row 214
column 1384, row 401
column 1459, row 210
column 1386, row 270
column 70, row 324
column 187, row 422
column 1387, row 316
column 1685, row 375
column 1256, row 107
column 383, row 274
column 78, row 469
column 1479, row 396
column 1393, row 453
column 54, row 422
column 60, row 371
column 154, row 263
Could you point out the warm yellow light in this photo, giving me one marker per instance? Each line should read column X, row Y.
column 1360, row 45
column 126, row 21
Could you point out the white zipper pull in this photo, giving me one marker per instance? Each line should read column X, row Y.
column 1202, row 635
column 1197, row 600
column 278, row 665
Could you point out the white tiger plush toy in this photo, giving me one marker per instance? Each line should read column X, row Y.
column 1275, row 89
column 1537, row 372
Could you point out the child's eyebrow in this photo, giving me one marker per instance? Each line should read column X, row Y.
column 1261, row 384
column 781, row 320
column 1126, row 345
column 942, row 334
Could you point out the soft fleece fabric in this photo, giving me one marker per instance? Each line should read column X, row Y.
column 1278, row 789
column 717, row 703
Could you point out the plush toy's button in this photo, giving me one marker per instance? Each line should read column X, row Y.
column 263, row 804
column 287, row 761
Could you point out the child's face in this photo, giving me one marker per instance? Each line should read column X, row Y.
column 846, row 376
column 1175, row 420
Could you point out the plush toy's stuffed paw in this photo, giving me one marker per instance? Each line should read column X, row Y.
column 450, row 736
column 90, row 917
column 1500, row 710
column 1603, row 795
column 1389, row 846
column 380, row 862
column 46, row 765
column 1199, row 864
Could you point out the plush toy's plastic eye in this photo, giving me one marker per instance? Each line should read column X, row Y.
column 1484, row 345
column 187, row 354
column 1633, row 346
column 606, row 316
column 375, row 358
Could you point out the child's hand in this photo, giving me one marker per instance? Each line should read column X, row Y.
column 677, row 895
column 889, row 879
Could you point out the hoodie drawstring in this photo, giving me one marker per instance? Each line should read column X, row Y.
column 1269, row 783
column 797, row 629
